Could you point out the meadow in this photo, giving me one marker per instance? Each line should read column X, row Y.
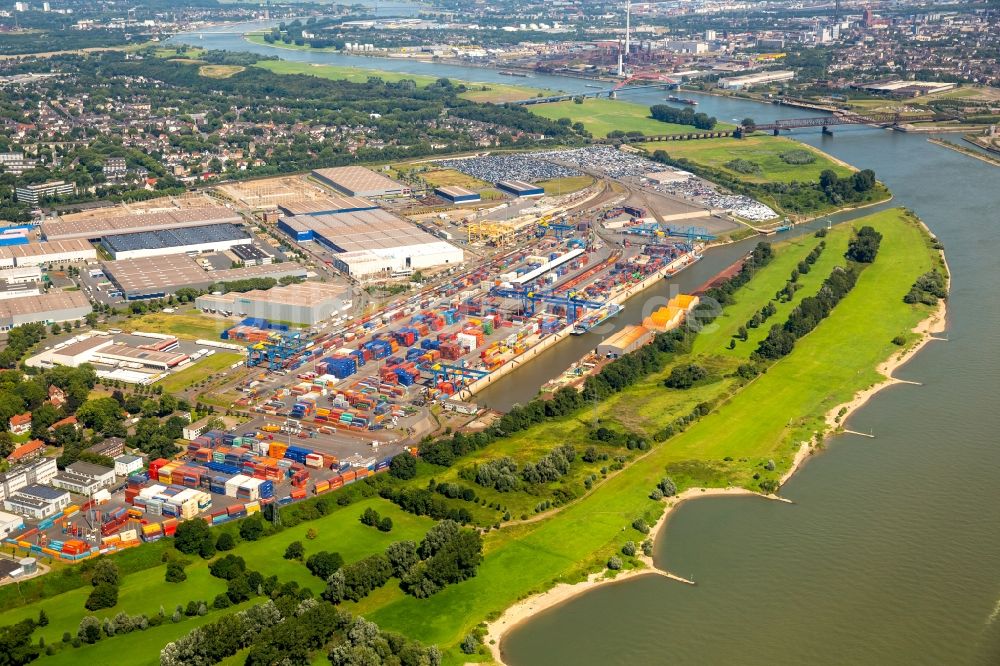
column 601, row 116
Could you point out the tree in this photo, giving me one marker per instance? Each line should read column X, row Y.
column 225, row 542
column 402, row 555
column 470, row 644
column 228, row 567
column 749, row 124
column 385, row 525
column 667, row 486
column 16, row 647
column 252, row 528
column 105, row 572
column 100, row 414
column 89, row 630
column 175, row 572
column 43, row 618
column 324, row 563
column 191, row 535
column 295, row 551
column 102, row 596
column 403, row 466
column 370, row 517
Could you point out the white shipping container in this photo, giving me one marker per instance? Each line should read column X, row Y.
column 151, row 491
column 234, row 483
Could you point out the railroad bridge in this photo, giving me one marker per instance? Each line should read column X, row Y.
column 877, row 119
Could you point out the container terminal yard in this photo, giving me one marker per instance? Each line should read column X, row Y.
column 328, row 383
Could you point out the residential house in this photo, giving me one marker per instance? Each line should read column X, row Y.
column 20, row 423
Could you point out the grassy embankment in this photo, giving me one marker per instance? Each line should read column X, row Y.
column 764, row 420
column 477, row 92
column 764, row 151
column 199, row 371
column 189, row 324
column 601, row 116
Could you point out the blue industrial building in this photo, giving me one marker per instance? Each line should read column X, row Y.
column 519, row 188
column 457, row 195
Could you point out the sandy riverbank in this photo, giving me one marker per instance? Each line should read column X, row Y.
column 525, row 609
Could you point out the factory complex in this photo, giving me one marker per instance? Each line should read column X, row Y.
column 372, row 243
column 326, row 206
column 49, row 308
column 40, row 254
column 305, row 303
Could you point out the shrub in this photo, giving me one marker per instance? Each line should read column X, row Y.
column 743, row 166
column 685, row 376
column 385, row 525
column 899, row 341
column 628, row 550
column 667, row 486
column 89, row 630
column 403, row 466
column 640, row 525
column 228, row 567
column 470, row 644
column 221, row 601
column 370, row 517
column 615, row 563
column 105, row 572
column 798, row 157
column 252, row 528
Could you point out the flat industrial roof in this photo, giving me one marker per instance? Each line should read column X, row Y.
column 88, row 469
column 54, row 300
column 326, row 205
column 158, row 274
column 518, row 185
column 120, row 350
column 301, row 294
column 455, row 191
column 59, row 228
column 83, row 346
column 358, row 179
column 46, row 247
column 376, row 229
column 42, row 492
column 164, row 238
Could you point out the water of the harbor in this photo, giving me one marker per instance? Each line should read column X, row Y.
column 890, row 554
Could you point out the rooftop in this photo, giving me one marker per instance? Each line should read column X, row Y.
column 164, row 238
column 88, row 469
column 46, row 247
column 358, row 179
column 363, row 230
column 50, row 302
column 133, row 222
column 325, row 205
column 159, row 274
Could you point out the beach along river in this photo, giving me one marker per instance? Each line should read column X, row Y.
column 891, row 553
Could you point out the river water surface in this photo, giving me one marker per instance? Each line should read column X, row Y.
column 890, row 554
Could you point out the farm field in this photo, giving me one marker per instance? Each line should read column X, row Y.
column 180, row 381
column 189, row 324
column 765, row 151
column 601, row 116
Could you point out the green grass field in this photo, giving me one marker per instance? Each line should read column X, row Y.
column 773, row 413
column 180, row 381
column 601, row 116
column 478, row 92
column 558, row 186
column 764, row 151
column 189, row 324
column 220, row 71
column 765, row 419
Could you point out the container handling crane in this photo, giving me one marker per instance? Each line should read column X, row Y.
column 572, row 303
column 280, row 347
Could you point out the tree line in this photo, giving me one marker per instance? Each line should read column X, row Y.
column 687, row 116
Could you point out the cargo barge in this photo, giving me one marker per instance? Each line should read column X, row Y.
column 682, row 100
column 596, row 318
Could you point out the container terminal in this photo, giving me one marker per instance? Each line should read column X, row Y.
column 331, row 383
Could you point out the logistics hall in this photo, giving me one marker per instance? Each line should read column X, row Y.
column 373, row 243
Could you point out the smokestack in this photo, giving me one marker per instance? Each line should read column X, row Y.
column 628, row 27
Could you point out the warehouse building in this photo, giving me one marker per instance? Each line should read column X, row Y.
column 373, row 243
column 187, row 240
column 358, row 181
column 18, row 289
column 304, row 303
column 103, row 350
column 9, row 524
column 519, row 188
column 326, row 206
column 251, row 255
column 58, row 306
column 156, row 277
column 625, row 341
column 96, row 228
column 38, row 471
column 457, row 195
column 37, row 502
column 749, row 80
column 21, row 275
column 41, row 254
column 125, row 465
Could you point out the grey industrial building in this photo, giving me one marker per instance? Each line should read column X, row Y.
column 83, row 478
column 38, row 254
column 37, row 502
column 304, row 303
column 95, row 228
column 326, row 206
column 156, row 277
column 359, row 181
column 186, row 240
column 55, row 306
column 251, row 255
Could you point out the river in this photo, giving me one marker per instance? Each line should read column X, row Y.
column 890, row 554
